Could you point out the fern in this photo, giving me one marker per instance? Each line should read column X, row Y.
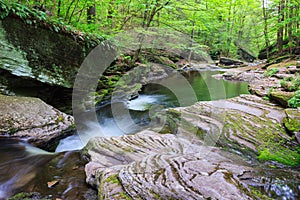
column 294, row 102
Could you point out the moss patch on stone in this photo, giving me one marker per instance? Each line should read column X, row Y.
column 28, row 196
column 292, row 125
column 281, row 97
column 113, row 179
column 284, row 156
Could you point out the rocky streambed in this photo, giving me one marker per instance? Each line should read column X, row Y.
column 237, row 148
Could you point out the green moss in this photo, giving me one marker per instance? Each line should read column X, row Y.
column 12, row 131
column 292, row 125
column 60, row 118
column 271, row 72
column 124, row 195
column 73, row 126
column 258, row 194
column 294, row 102
column 284, row 156
column 113, row 179
column 27, row 196
column 290, row 84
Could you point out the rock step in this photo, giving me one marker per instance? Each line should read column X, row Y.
column 246, row 120
column 32, row 119
column 148, row 165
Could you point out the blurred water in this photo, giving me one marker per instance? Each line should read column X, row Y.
column 19, row 164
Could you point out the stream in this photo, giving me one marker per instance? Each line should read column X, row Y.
column 25, row 168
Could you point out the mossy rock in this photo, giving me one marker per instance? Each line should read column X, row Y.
column 292, row 121
column 293, row 125
column 281, row 97
column 287, row 156
column 276, row 60
column 28, row 196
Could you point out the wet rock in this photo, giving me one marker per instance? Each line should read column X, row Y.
column 153, row 166
column 247, row 121
column 32, row 119
column 262, row 87
column 131, row 83
column 29, row 196
column 245, row 54
column 230, row 62
column 297, row 135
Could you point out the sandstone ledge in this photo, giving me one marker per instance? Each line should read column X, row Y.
column 32, row 119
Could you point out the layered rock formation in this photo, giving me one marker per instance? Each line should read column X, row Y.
column 241, row 122
column 148, row 165
column 32, row 119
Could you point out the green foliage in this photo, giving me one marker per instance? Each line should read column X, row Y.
column 294, row 102
column 286, row 156
column 271, row 72
column 292, row 125
column 4, row 10
column 257, row 193
column 290, row 84
column 221, row 25
column 21, row 11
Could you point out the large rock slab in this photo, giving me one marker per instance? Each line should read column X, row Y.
column 32, row 119
column 148, row 165
column 34, row 51
column 244, row 124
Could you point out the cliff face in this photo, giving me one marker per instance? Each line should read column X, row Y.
column 39, row 53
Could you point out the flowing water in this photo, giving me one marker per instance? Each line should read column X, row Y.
column 26, row 168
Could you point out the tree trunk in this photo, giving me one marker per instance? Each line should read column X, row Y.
column 58, row 8
column 91, row 14
column 280, row 29
column 192, row 42
column 265, row 14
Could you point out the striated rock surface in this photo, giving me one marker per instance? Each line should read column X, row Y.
column 247, row 121
column 32, row 119
column 154, row 166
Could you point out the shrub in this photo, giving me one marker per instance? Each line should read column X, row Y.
column 294, row 102
column 270, row 72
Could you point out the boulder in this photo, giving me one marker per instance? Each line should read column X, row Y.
column 47, row 56
column 32, row 119
column 230, row 62
column 245, row 55
column 281, row 97
column 148, row 165
column 292, row 121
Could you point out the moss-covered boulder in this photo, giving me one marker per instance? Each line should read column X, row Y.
column 32, row 119
column 42, row 51
column 292, row 122
column 281, row 97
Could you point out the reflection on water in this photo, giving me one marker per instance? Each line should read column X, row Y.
column 176, row 90
column 278, row 183
column 201, row 86
column 19, row 164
